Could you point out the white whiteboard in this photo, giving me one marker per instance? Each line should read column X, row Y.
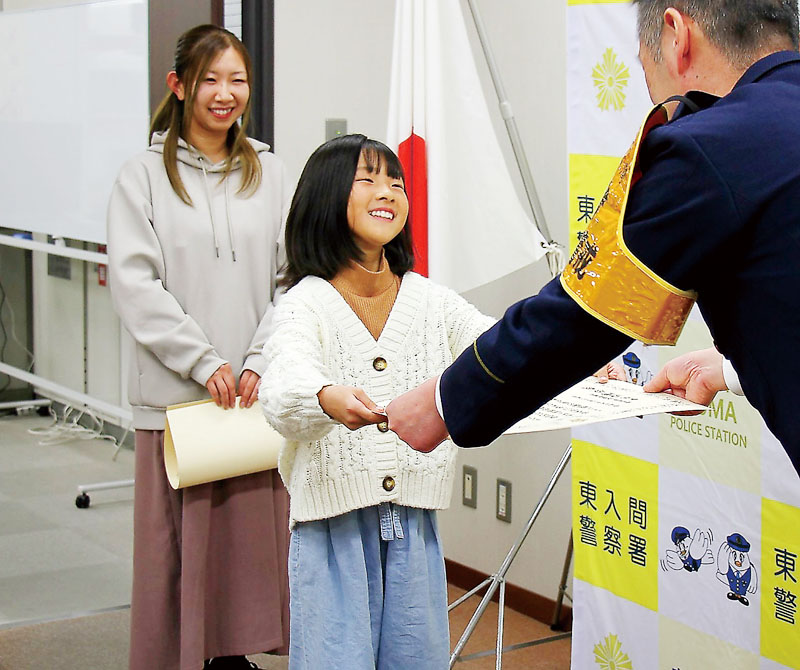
column 73, row 108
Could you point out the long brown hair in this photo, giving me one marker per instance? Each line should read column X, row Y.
column 196, row 50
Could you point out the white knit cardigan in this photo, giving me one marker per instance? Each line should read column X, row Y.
column 318, row 340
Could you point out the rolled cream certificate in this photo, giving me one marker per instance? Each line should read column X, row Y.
column 205, row 443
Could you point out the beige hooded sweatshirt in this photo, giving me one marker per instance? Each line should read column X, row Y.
column 193, row 285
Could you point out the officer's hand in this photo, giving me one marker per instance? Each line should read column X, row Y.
column 696, row 376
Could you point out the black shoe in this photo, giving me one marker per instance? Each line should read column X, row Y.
column 231, row 663
column 744, row 601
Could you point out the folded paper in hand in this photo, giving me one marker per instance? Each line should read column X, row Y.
column 204, row 443
column 592, row 401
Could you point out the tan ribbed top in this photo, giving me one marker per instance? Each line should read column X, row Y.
column 371, row 295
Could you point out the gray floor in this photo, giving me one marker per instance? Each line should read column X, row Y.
column 57, row 560
column 59, row 563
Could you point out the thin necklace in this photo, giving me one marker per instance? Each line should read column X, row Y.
column 380, row 269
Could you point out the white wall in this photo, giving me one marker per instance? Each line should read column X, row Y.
column 11, row 5
column 333, row 60
column 529, row 43
column 71, row 313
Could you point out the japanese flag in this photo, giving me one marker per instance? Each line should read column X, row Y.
column 468, row 224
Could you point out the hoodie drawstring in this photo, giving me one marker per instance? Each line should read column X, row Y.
column 210, row 208
column 228, row 217
column 211, row 211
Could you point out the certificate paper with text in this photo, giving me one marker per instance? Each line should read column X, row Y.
column 591, row 401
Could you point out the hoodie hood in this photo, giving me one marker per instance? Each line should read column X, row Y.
column 191, row 157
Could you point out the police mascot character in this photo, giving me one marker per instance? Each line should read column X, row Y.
column 735, row 569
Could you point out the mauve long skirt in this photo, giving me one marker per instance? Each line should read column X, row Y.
column 209, row 566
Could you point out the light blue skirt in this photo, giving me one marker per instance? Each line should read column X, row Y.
column 360, row 602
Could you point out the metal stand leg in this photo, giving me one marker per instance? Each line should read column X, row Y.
column 562, row 588
column 83, row 500
column 498, row 580
column 500, row 620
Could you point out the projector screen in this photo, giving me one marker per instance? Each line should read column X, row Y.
column 74, row 107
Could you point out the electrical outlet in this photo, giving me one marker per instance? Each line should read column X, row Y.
column 504, row 500
column 335, row 128
column 469, row 491
column 59, row 266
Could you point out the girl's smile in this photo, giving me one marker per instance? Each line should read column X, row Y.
column 222, row 94
column 383, row 214
column 222, row 113
column 219, row 100
column 377, row 209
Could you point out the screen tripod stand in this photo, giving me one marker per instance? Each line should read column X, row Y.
column 498, row 581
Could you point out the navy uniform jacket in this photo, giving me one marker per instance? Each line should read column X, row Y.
column 717, row 210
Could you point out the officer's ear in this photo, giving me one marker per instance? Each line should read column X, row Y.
column 678, row 35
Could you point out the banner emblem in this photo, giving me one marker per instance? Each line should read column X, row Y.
column 609, row 655
column 610, row 79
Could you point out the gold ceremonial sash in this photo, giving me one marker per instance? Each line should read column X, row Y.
column 608, row 281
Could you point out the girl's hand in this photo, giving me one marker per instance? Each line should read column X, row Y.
column 248, row 388
column 349, row 406
column 222, row 386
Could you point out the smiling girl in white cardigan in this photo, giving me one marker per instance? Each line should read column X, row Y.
column 356, row 329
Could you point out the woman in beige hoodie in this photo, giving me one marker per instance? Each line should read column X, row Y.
column 194, row 243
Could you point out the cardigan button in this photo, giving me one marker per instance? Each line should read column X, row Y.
column 383, row 426
column 380, row 364
column 388, row 483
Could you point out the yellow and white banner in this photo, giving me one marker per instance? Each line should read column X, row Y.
column 607, row 99
column 686, row 528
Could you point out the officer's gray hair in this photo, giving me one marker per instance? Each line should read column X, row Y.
column 744, row 30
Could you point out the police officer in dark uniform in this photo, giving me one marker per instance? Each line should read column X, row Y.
column 708, row 209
